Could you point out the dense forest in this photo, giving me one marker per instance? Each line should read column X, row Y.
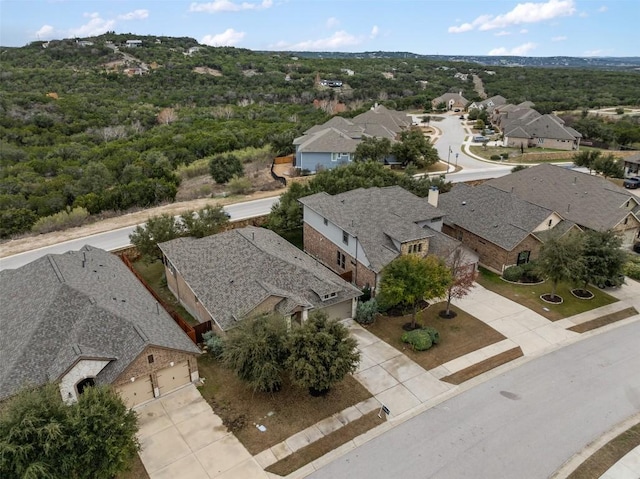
column 93, row 124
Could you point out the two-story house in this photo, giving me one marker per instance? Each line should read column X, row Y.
column 359, row 232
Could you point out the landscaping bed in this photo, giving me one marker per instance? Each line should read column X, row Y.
column 325, row 445
column 136, row 470
column 483, row 366
column 604, row 320
column 529, row 296
column 284, row 413
column 605, row 457
column 458, row 336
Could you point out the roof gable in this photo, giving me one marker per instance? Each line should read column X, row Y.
column 231, row 273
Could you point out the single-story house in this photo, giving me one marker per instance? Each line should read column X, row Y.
column 359, row 232
column 590, row 201
column 245, row 272
column 334, row 142
column 500, row 227
column 451, row 100
column 82, row 318
column 545, row 131
column 133, row 43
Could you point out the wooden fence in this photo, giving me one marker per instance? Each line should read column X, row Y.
column 194, row 332
column 283, row 160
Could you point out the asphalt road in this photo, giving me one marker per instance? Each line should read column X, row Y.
column 522, row 424
column 120, row 237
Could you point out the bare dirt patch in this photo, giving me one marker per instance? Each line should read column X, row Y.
column 208, row 71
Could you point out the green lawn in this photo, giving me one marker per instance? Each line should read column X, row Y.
column 153, row 274
column 529, row 296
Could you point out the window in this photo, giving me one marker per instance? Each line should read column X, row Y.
column 84, row 384
column 326, row 221
column 150, row 359
column 341, row 259
column 459, row 235
column 345, row 237
column 171, row 267
column 523, row 257
column 329, row 296
column 626, row 220
column 415, row 248
column 550, row 223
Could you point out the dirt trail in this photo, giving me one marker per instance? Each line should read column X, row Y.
column 479, row 87
column 28, row 243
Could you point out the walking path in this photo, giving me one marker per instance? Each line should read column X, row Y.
column 394, row 380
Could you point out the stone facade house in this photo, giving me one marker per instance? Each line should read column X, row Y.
column 452, row 101
column 488, row 104
column 590, row 201
column 249, row 271
column 82, row 318
column 500, row 227
column 359, row 232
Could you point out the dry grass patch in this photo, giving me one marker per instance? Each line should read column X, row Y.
column 604, row 320
column 608, row 455
column 458, row 336
column 136, row 470
column 284, row 413
column 483, row 366
column 326, row 444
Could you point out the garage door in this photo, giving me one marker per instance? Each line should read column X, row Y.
column 173, row 377
column 339, row 311
column 136, row 392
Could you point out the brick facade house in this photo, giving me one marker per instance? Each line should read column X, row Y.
column 94, row 323
column 357, row 233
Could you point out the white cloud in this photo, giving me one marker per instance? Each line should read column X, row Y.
column 139, row 14
column 332, row 22
column 520, row 50
column 598, row 52
column 603, row 9
column 374, row 31
column 502, row 33
column 339, row 39
column 522, row 13
column 95, row 26
column 227, row 38
column 560, row 38
column 228, row 6
column 45, row 32
column 523, row 31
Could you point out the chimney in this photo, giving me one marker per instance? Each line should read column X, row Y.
column 568, row 207
column 433, row 196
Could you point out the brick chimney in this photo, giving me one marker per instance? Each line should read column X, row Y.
column 433, row 196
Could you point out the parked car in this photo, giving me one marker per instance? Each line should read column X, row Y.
column 479, row 139
column 456, row 110
column 632, row 183
column 462, row 117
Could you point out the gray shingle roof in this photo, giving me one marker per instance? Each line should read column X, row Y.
column 329, row 140
column 587, row 200
column 233, row 272
column 379, row 115
column 635, row 159
column 448, row 97
column 376, row 216
column 80, row 304
column 495, row 215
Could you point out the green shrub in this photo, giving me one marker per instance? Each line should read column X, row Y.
column 512, row 273
column 495, row 157
column 504, row 156
column 530, row 273
column 419, row 339
column 239, row 185
column 61, row 220
column 214, row 344
column 433, row 332
column 366, row 312
column 366, row 294
column 632, row 268
column 197, row 168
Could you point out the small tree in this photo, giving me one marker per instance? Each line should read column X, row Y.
column 41, row 437
column 586, row 159
column 561, row 259
column 156, row 230
column 204, row 222
column 463, row 276
column 374, row 149
column 409, row 279
column 602, row 256
column 322, row 353
column 225, row 167
column 257, row 350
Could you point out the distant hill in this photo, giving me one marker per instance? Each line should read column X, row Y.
column 508, row 61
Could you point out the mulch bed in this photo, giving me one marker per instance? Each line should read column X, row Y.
column 582, row 293
column 551, row 299
column 604, row 320
column 483, row 366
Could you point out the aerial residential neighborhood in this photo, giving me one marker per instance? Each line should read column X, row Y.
column 294, row 248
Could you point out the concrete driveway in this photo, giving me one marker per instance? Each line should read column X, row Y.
column 182, row 438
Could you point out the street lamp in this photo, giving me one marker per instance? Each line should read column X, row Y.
column 448, row 158
column 457, row 159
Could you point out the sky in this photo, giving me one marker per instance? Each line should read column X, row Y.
column 429, row 27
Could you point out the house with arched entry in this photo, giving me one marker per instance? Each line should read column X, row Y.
column 82, row 318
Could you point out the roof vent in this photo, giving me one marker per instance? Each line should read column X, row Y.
column 464, row 203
